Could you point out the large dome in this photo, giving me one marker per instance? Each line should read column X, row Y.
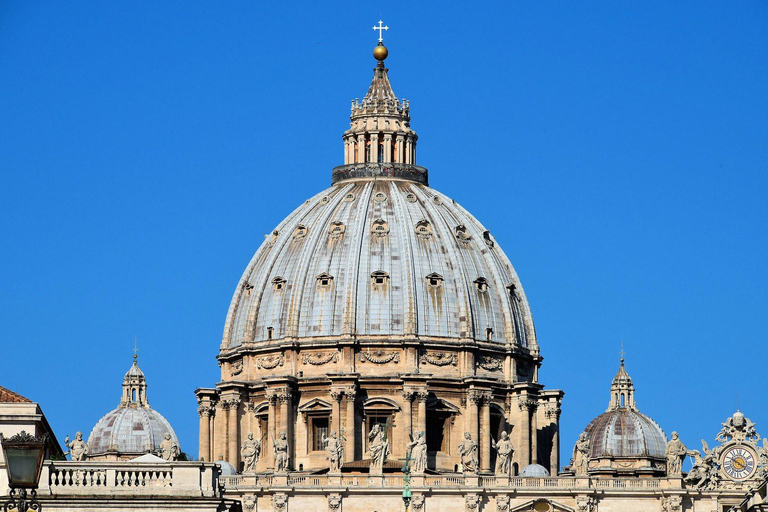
column 134, row 428
column 379, row 257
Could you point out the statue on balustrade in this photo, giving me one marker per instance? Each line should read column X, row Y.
column 250, row 452
column 281, row 453
column 468, row 452
column 504, row 451
column 378, row 446
column 676, row 452
column 581, row 455
column 168, row 448
column 335, row 451
column 418, row 453
column 78, row 448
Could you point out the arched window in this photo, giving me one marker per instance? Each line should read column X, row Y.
column 435, row 280
column 379, row 278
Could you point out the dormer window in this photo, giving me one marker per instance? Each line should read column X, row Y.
column 512, row 292
column 488, row 239
column 379, row 278
column 278, row 283
column 489, row 334
column 300, row 231
column 336, row 230
column 461, row 234
column 247, row 289
column 481, row 284
column 435, row 280
column 324, row 280
column 380, row 228
column 423, row 229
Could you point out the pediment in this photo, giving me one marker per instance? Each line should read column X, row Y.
column 541, row 505
column 315, row 405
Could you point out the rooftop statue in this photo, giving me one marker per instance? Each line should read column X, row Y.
column 78, row 448
column 250, row 452
column 504, row 451
column 676, row 452
column 468, row 452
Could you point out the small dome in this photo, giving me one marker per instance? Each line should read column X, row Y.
column 625, row 433
column 225, row 468
column 534, row 470
column 134, row 371
column 129, row 431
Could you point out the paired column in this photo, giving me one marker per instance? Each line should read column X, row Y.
column 350, row 394
column 205, row 411
column 475, row 399
column 421, row 422
column 374, row 156
column 553, row 414
column 221, row 432
column 524, row 441
column 284, row 397
column 408, row 412
column 360, row 148
column 485, row 442
column 272, row 427
column 232, row 406
column 336, row 396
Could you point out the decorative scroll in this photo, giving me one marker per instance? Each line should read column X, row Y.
column 439, row 358
column 379, row 357
column 236, row 367
column 319, row 358
column 490, row 363
column 269, row 362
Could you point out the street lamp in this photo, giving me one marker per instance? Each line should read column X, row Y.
column 23, row 455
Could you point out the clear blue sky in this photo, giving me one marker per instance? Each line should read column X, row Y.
column 617, row 151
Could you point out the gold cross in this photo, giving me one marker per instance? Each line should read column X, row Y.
column 380, row 28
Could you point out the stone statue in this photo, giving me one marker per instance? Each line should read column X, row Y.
column 504, row 451
column 78, row 448
column 250, row 452
column 281, row 453
column 168, row 448
column 762, row 456
column 418, row 453
column 468, row 452
column 676, row 452
column 739, row 428
column 378, row 446
column 581, row 455
column 703, row 474
column 335, row 450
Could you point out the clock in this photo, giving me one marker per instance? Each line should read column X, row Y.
column 738, row 462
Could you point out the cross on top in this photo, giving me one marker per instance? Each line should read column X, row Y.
column 381, row 28
column 135, row 349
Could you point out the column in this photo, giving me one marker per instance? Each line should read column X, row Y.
column 534, row 434
column 349, row 430
column 374, row 148
column 554, row 458
column 408, row 412
column 421, row 424
column 408, row 146
column 284, row 397
column 233, row 452
column 220, row 431
column 271, row 426
column 472, row 404
column 399, row 148
column 387, row 148
column 205, row 432
column 336, row 396
column 524, row 442
column 361, row 148
column 485, row 442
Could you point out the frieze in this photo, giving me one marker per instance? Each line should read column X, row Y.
column 270, row 362
column 236, row 367
column 490, row 363
column 379, row 357
column 439, row 358
column 319, row 358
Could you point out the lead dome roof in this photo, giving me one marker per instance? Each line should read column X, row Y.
column 441, row 273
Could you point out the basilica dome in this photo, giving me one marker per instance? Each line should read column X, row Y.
column 134, row 428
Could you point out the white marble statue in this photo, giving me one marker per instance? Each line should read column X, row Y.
column 468, row 452
column 504, row 451
column 281, row 453
column 168, row 448
column 418, row 453
column 676, row 452
column 581, row 455
column 335, row 450
column 78, row 448
column 250, row 452
column 378, row 446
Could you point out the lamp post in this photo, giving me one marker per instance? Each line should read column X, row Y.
column 23, row 455
column 407, row 478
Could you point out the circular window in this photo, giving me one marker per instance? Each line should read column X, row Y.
column 349, row 198
column 379, row 197
column 410, row 197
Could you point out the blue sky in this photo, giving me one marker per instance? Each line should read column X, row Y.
column 617, row 151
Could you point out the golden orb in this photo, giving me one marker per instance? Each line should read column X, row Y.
column 380, row 52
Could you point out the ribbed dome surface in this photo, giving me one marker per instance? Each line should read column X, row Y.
column 379, row 258
column 129, row 430
column 625, row 433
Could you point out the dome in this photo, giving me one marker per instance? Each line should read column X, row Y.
column 626, row 433
column 129, row 430
column 225, row 468
column 534, row 471
column 133, row 428
column 379, row 258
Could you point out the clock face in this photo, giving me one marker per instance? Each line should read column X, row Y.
column 738, row 462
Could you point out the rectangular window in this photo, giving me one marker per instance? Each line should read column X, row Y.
column 319, row 432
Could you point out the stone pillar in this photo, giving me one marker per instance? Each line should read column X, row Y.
column 485, row 442
column 475, row 398
column 284, row 396
column 421, row 422
column 220, row 432
column 361, row 148
column 349, row 430
column 387, row 148
column 524, row 442
column 399, row 156
column 205, row 412
column 336, row 396
column 534, row 434
column 408, row 412
column 272, row 427
column 408, row 150
column 233, row 452
column 553, row 413
column 374, row 147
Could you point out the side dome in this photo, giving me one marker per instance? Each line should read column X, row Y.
column 134, row 428
column 380, row 258
column 622, row 441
